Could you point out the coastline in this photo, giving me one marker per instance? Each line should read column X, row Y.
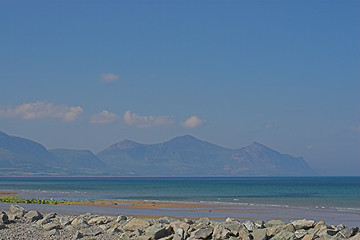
column 195, row 210
column 17, row 222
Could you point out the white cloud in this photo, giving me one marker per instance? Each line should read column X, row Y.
column 355, row 128
column 104, row 117
column 193, row 122
column 109, row 77
column 146, row 121
column 38, row 110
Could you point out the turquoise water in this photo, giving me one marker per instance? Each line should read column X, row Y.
column 319, row 192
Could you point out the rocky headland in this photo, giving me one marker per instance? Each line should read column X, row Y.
column 18, row 223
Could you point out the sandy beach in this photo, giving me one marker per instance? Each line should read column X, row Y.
column 193, row 210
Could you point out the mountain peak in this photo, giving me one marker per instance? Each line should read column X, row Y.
column 185, row 138
column 124, row 144
column 258, row 146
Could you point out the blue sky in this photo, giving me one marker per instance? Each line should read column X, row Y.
column 86, row 74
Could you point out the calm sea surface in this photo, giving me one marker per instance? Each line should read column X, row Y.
column 318, row 192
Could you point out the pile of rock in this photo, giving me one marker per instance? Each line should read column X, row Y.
column 17, row 223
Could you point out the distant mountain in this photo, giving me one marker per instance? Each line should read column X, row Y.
column 20, row 155
column 181, row 156
column 189, row 156
column 75, row 162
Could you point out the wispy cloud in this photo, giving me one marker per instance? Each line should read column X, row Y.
column 139, row 121
column 109, row 77
column 355, row 128
column 193, row 122
column 104, row 117
column 39, row 110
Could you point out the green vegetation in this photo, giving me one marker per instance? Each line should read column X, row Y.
column 15, row 199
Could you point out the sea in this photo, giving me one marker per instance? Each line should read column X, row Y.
column 333, row 199
column 318, row 192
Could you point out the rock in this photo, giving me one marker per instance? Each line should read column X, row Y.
column 51, row 232
column 259, row 234
column 273, row 223
column 307, row 237
column 64, row 221
column 91, row 232
column 356, row 237
column 249, row 225
column 113, row 230
column 234, row 227
column 121, row 218
column 98, row 220
column 179, row 224
column 43, row 221
column 51, row 226
column 221, row 232
column 244, row 235
column 4, row 219
column 33, row 216
column 50, row 215
column 158, row 231
column 77, row 235
column 284, row 234
column 17, row 210
column 202, row 233
column 136, row 223
column 179, row 234
column 2, row 226
column 79, row 222
column 202, row 223
column 349, row 232
column 319, row 224
column 166, row 220
column 303, row 224
column 259, row 224
column 230, row 219
column 289, row 227
column 300, row 233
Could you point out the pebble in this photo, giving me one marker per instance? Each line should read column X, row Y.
column 114, row 227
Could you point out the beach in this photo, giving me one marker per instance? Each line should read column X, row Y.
column 105, row 220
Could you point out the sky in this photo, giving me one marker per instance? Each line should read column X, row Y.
column 87, row 74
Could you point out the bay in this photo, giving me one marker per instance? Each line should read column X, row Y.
column 311, row 192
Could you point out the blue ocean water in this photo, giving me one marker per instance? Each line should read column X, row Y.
column 318, row 192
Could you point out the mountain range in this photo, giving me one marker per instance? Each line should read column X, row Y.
column 181, row 156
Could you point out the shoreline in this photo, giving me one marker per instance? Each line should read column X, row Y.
column 27, row 222
column 180, row 210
